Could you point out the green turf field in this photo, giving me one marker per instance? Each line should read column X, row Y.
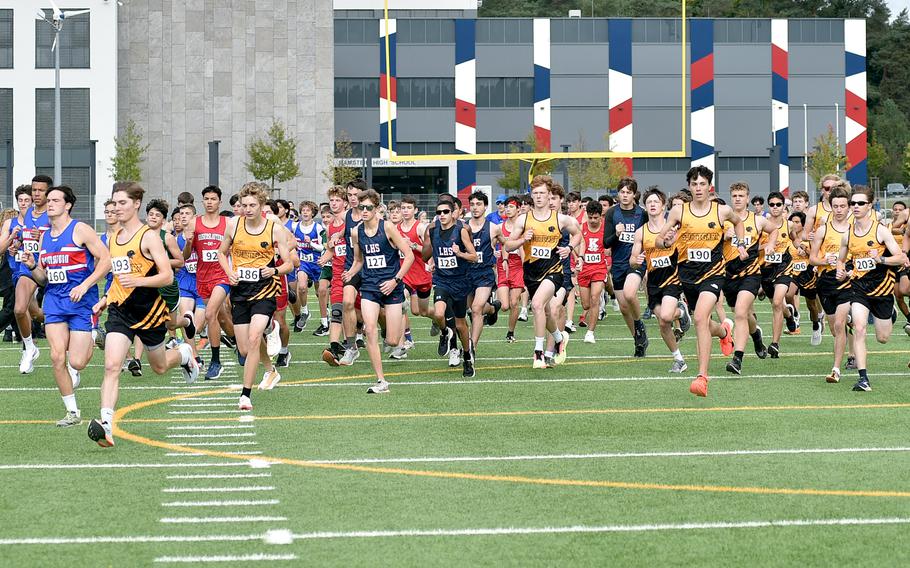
column 604, row 460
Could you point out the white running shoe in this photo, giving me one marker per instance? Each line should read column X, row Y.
column 454, row 357
column 589, row 337
column 269, row 380
column 408, row 344
column 350, row 355
column 816, row 336
column 523, row 314
column 191, row 369
column 399, row 353
column 245, row 403
column 615, row 305
column 381, row 387
column 679, row 366
column 74, row 376
column 273, row 340
column 27, row 363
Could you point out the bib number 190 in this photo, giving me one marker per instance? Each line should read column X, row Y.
column 699, row 255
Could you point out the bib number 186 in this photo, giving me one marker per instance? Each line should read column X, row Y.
column 248, row 274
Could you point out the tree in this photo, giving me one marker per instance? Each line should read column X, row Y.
column 343, row 172
column 877, row 158
column 275, row 158
column 512, row 170
column 892, row 130
column 826, row 156
column 595, row 173
column 906, row 164
column 129, row 153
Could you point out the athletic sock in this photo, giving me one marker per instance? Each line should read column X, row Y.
column 407, row 335
column 69, row 401
column 216, row 354
column 246, row 392
column 816, row 325
column 325, row 322
column 547, row 353
column 283, row 351
column 107, row 415
column 450, row 322
column 677, row 355
column 305, row 310
column 185, row 356
column 738, row 355
column 28, row 342
column 862, row 375
column 538, row 343
column 557, row 336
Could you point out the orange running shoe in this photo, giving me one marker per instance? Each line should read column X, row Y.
column 202, row 344
column 699, row 386
column 726, row 342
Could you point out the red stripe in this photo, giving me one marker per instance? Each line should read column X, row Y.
column 465, row 113
column 542, row 135
column 621, row 116
column 702, row 71
column 628, row 164
column 779, row 61
column 856, row 149
column 856, row 108
column 464, row 193
column 382, row 89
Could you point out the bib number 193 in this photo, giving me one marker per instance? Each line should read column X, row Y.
column 121, row 265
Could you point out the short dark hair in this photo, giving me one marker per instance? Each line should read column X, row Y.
column 699, row 171
column 758, row 199
column 227, row 213
column 799, row 215
column 409, row 199
column 594, row 208
column 481, row 196
column 23, row 190
column 185, row 197
column 573, row 196
column 234, row 199
column 159, row 205
column 211, row 189
column 776, row 195
column 284, row 203
column 654, row 190
column 273, row 205
column 41, row 178
column 189, row 206
column 358, row 183
column 369, row 195
column 68, row 195
column 898, row 203
column 514, row 199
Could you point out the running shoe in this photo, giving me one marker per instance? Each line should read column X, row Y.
column 454, row 357
column 301, row 322
column 833, row 376
column 582, row 322
column 862, row 385
column 99, row 336
column 283, row 359
column 678, row 334
column 228, row 342
column 408, row 344
column 72, row 418
column 245, row 403
column 134, row 367
column 100, row 432
column 570, row 327
column 817, row 335
column 615, row 305
column 646, row 315
column 172, row 343
column 321, row 331
column 789, row 319
column 726, row 342
column 434, row 330
column 399, row 353
column 539, row 363
column 589, row 337
column 269, row 380
column 8, row 335
column 361, row 344
column 191, row 369
column 758, row 343
column 523, row 314
column 214, row 371
column 190, row 330
column 549, row 361
column 679, row 366
column 699, row 387
column 468, row 366
column 685, row 319
column 851, row 363
column 735, row 366
column 491, row 319
column 333, row 354
column 443, row 347
column 27, row 362
column 907, row 328
column 774, row 351
column 350, row 355
column 202, row 343
column 559, row 351
column 510, row 337
column 380, row 387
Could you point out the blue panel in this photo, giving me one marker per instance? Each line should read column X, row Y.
column 383, row 135
column 541, row 83
column 701, row 38
column 858, row 174
column 779, row 88
column 465, row 36
column 854, row 64
column 700, row 150
column 783, row 140
column 620, row 38
column 466, row 173
column 393, row 43
column 703, row 96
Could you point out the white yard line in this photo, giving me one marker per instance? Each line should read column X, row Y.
column 236, row 435
column 234, row 503
column 240, row 453
column 205, row 520
column 237, row 558
column 217, row 444
column 234, row 411
column 219, row 476
column 215, row 427
column 66, row 466
column 241, row 489
column 203, row 404
column 496, row 531
column 593, row 456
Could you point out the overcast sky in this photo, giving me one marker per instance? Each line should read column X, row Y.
column 898, row 5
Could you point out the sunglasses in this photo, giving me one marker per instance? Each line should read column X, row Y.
column 775, row 204
column 366, row 207
column 443, row 211
column 858, row 203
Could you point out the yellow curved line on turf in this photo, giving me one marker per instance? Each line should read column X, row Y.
column 120, row 414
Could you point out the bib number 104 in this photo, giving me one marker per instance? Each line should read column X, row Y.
column 699, row 255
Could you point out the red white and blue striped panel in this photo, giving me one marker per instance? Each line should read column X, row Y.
column 542, row 83
column 620, row 87
column 701, row 84
column 780, row 106
column 855, row 54
column 465, row 105
column 388, row 113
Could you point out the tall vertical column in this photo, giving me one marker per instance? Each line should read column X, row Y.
column 780, row 101
column 619, row 33
column 701, row 83
column 855, row 99
column 542, row 83
column 388, row 93
column 465, row 104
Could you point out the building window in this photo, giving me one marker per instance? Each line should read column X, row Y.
column 816, row 31
column 426, row 31
column 356, row 31
column 74, row 44
column 505, row 30
column 6, row 39
column 505, row 92
column 424, row 148
column 74, row 115
column 357, row 93
column 742, row 31
column 429, row 92
column 654, row 30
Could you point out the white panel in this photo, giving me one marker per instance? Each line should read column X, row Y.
column 542, row 42
column 856, row 84
column 466, row 81
column 779, row 29
column 852, row 129
column 384, row 110
column 780, row 115
column 542, row 114
column 393, row 27
column 620, row 88
column 707, row 161
column 703, row 125
column 855, row 36
column 621, row 140
column 784, row 177
column 465, row 138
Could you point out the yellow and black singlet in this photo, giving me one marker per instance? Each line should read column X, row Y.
column 142, row 308
column 737, row 268
column 660, row 263
column 871, row 277
column 782, row 257
column 831, row 246
column 541, row 258
column 250, row 253
column 699, row 245
column 821, row 215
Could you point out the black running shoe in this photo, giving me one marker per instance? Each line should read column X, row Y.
column 135, row 367
column 774, row 351
column 735, row 366
column 443, row 348
column 494, row 317
column 758, row 343
column 321, row 331
column 228, row 342
column 190, row 330
column 100, row 433
column 283, row 360
column 468, row 365
column 510, row 337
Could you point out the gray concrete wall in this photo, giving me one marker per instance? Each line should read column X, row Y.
column 191, row 71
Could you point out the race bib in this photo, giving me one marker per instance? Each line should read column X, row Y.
column 121, row 265
column 592, row 258
column 626, row 237
column 190, row 267
column 479, row 257
column 774, row 258
column 306, row 257
column 746, row 241
column 699, row 255
column 30, row 246
column 30, row 235
column 341, row 250
column 447, row 262
column 661, row 262
column 210, row 256
column 800, row 266
column 248, row 274
column 375, row 261
column 541, row 252
column 56, row 276
column 864, row 264
column 21, row 256
column 831, row 258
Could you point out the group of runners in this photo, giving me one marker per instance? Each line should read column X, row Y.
column 375, row 265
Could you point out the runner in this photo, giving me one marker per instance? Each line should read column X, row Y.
column 11, row 242
column 334, row 256
column 592, row 268
column 510, row 270
column 620, row 222
column 557, row 306
column 664, row 286
column 538, row 232
column 190, row 300
column 309, row 247
column 874, row 253
column 155, row 215
column 71, row 262
column 417, row 282
column 381, row 257
column 252, row 241
column 325, row 275
column 135, row 308
column 776, row 275
column 700, row 262
column 743, row 276
column 481, row 274
column 351, row 288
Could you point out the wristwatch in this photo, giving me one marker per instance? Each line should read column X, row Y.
column 398, row 279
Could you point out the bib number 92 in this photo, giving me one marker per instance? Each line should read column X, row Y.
column 699, row 255
column 210, row 256
column 248, row 274
column 864, row 264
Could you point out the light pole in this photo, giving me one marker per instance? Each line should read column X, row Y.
column 565, row 166
column 57, row 23
column 806, row 148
